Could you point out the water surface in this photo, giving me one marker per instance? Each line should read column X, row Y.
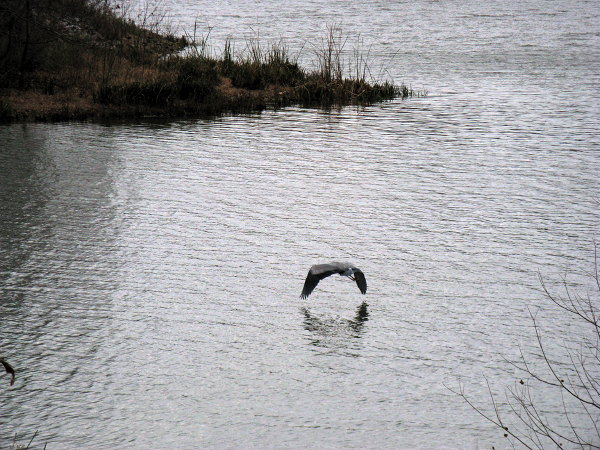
column 150, row 272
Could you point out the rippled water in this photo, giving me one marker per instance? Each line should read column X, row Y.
column 150, row 272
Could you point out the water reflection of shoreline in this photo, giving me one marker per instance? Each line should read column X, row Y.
column 333, row 332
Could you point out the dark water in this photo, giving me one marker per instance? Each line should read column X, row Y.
column 150, row 272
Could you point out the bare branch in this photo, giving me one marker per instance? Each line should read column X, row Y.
column 560, row 380
column 575, row 376
column 497, row 420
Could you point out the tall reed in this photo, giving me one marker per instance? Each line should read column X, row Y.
column 108, row 58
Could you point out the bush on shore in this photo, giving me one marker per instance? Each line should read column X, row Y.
column 70, row 59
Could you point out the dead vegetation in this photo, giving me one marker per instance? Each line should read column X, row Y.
column 78, row 59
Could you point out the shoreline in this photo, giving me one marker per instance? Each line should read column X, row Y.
column 33, row 106
column 92, row 64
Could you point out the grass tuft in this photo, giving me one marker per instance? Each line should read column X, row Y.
column 89, row 60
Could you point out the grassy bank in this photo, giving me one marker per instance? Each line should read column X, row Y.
column 81, row 59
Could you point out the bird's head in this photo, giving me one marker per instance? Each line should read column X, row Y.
column 350, row 273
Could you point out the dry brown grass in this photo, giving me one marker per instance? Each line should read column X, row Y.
column 127, row 70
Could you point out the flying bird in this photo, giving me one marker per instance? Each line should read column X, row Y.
column 8, row 369
column 320, row 271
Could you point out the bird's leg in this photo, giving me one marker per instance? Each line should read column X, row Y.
column 351, row 277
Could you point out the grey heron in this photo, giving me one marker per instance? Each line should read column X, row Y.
column 8, row 369
column 320, row 271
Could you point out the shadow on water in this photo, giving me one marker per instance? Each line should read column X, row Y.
column 334, row 332
column 24, row 193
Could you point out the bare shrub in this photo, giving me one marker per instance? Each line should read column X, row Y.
column 568, row 368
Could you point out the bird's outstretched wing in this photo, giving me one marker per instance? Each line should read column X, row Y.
column 309, row 284
column 315, row 274
column 361, row 281
column 10, row 370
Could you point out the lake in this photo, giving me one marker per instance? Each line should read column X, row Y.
column 150, row 271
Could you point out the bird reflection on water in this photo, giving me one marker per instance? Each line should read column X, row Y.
column 335, row 332
column 9, row 369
